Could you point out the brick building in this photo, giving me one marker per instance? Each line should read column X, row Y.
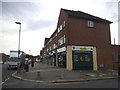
column 116, row 56
column 80, row 41
column 3, row 57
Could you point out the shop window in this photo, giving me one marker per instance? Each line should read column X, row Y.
column 90, row 24
column 62, row 59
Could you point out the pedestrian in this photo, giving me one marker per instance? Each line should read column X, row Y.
column 32, row 63
column 26, row 65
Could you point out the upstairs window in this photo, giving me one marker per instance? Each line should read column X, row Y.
column 90, row 23
column 58, row 30
column 63, row 25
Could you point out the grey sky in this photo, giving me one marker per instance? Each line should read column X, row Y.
column 39, row 19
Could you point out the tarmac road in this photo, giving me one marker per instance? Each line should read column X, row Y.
column 6, row 74
column 15, row 83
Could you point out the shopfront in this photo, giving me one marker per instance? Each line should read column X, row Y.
column 82, row 57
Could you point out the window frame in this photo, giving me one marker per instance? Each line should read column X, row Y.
column 90, row 24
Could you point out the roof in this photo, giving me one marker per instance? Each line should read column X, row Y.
column 80, row 14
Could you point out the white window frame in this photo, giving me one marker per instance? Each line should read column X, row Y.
column 64, row 23
column 64, row 39
column 61, row 27
column 50, row 48
column 58, row 29
column 90, row 23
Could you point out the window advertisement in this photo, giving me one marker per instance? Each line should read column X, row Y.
column 61, row 52
column 62, row 59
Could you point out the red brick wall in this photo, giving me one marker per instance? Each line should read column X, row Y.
column 99, row 36
column 115, row 52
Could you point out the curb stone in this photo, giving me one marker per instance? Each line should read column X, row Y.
column 62, row 81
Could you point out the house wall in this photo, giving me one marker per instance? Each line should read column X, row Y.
column 116, row 56
column 98, row 36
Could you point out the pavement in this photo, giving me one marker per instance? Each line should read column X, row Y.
column 46, row 73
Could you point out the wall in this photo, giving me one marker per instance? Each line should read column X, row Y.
column 99, row 36
column 116, row 56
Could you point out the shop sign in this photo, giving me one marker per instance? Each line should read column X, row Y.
column 82, row 48
column 61, row 49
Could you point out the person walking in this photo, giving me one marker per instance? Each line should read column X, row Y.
column 26, row 65
column 32, row 63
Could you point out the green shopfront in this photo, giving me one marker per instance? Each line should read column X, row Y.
column 82, row 57
column 77, row 58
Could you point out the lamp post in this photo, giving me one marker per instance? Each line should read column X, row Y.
column 19, row 41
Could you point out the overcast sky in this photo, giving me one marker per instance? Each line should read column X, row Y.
column 39, row 20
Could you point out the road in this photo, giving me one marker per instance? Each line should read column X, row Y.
column 6, row 74
column 13, row 83
column 10, row 82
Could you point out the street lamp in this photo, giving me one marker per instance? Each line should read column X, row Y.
column 19, row 38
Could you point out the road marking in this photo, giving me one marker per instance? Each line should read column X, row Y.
column 1, row 83
column 7, row 79
column 14, row 73
column 64, row 83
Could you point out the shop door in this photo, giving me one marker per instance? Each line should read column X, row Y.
column 83, row 60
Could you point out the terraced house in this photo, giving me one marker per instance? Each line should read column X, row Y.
column 80, row 41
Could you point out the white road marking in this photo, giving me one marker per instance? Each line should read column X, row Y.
column 1, row 83
column 5, row 80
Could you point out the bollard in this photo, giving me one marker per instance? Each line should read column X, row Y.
column 38, row 74
column 27, row 68
column 62, row 74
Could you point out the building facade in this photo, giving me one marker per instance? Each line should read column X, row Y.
column 80, row 41
column 116, row 56
column 3, row 57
